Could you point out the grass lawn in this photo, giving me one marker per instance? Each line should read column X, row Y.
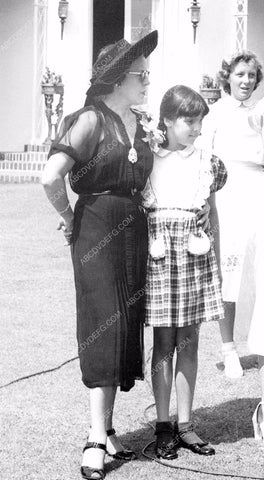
column 45, row 418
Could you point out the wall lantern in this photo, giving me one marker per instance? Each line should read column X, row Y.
column 195, row 10
column 63, row 13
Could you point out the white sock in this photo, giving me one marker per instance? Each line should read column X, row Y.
column 228, row 348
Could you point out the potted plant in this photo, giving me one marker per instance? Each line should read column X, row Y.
column 210, row 89
column 51, row 83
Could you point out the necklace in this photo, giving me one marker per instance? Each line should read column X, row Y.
column 132, row 153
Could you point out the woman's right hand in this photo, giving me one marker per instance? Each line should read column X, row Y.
column 202, row 216
column 67, row 227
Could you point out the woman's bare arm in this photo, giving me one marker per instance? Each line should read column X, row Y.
column 53, row 180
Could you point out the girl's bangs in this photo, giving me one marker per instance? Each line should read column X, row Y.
column 192, row 106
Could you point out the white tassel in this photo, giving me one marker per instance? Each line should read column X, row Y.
column 157, row 248
column 198, row 244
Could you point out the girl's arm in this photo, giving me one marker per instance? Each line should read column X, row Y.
column 53, row 180
column 215, row 229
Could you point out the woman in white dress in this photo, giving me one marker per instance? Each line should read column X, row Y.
column 256, row 332
column 229, row 131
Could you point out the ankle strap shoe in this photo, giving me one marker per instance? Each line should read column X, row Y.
column 166, row 446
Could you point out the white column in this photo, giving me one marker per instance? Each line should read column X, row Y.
column 39, row 64
column 239, row 34
column 176, row 60
column 156, row 62
column 185, row 56
column 72, row 56
column 128, row 13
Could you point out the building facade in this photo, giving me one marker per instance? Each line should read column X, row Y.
column 30, row 41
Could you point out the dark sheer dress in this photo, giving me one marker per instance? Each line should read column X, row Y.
column 109, row 250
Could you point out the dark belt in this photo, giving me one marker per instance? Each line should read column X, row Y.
column 117, row 193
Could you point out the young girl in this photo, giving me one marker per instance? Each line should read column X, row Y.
column 183, row 281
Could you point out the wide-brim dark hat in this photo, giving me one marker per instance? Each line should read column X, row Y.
column 114, row 61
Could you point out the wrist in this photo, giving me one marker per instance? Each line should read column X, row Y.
column 65, row 210
column 67, row 216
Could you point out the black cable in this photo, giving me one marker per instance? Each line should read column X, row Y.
column 147, row 422
column 165, row 464
column 193, row 469
column 38, row 373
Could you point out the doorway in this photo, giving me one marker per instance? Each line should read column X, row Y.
column 108, row 23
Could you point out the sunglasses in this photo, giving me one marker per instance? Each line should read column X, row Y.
column 144, row 74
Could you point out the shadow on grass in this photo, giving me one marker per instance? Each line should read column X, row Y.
column 135, row 441
column 247, row 362
column 228, row 422
column 225, row 423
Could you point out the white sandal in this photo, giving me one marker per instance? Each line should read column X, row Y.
column 258, row 424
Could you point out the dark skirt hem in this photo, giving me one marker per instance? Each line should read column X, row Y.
column 110, row 384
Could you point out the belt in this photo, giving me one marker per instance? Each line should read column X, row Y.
column 132, row 193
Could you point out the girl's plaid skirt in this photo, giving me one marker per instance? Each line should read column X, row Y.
column 182, row 289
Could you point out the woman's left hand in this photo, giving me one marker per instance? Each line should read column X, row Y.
column 202, row 216
column 67, row 228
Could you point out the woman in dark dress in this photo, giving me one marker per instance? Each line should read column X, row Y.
column 101, row 147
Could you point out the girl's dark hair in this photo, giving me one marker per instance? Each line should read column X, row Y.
column 180, row 101
column 228, row 67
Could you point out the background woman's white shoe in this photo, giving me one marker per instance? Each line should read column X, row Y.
column 232, row 364
column 258, row 422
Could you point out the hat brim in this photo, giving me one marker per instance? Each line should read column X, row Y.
column 128, row 55
column 144, row 46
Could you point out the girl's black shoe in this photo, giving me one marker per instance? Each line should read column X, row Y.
column 189, row 439
column 166, row 446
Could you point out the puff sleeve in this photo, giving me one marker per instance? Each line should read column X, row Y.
column 79, row 135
